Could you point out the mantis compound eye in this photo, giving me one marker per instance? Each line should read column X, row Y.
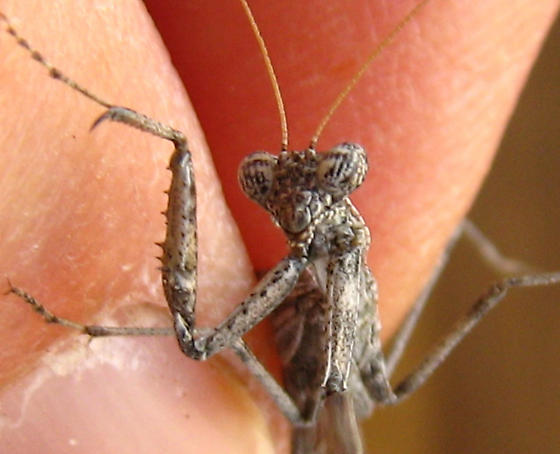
column 256, row 175
column 342, row 169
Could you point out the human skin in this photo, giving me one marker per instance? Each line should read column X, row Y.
column 81, row 211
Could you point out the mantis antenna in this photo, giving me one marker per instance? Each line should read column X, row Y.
column 375, row 53
column 344, row 93
column 271, row 74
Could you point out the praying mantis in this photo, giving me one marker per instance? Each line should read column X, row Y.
column 376, row 222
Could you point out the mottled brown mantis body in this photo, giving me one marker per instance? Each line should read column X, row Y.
column 330, row 230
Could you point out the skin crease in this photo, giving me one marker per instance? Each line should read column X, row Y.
column 81, row 211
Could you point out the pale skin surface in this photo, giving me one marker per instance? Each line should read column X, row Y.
column 80, row 213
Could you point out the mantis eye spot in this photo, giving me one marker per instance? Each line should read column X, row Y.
column 256, row 175
column 342, row 169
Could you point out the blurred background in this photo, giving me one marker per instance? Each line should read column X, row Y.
column 499, row 392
